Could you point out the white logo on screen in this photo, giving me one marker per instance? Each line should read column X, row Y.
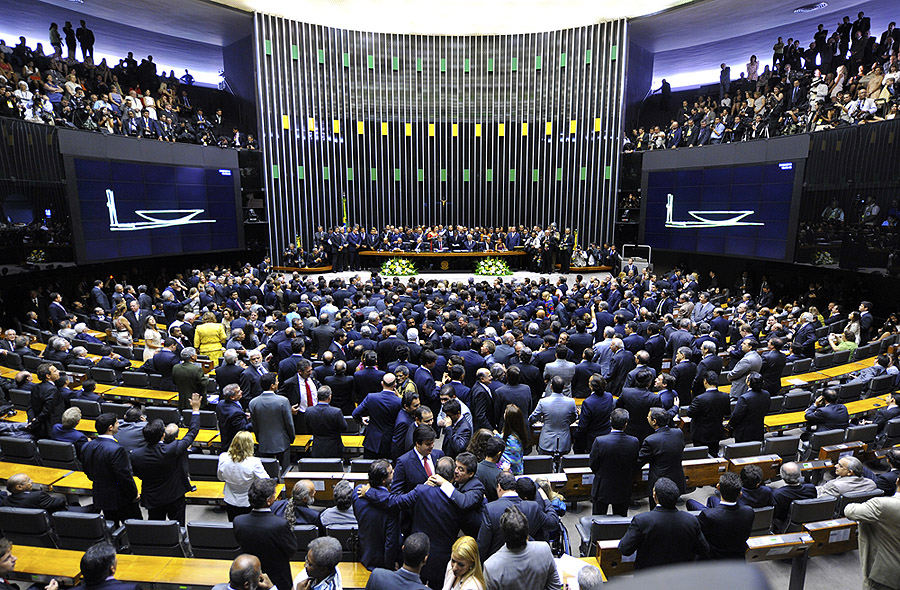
column 707, row 218
column 156, row 218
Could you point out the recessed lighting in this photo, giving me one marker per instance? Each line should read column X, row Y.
column 810, row 7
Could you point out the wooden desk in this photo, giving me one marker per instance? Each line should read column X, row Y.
column 38, row 564
column 353, row 442
column 770, row 464
column 778, row 547
column 140, row 568
column 796, row 419
column 816, row 465
column 41, row 476
column 135, row 394
column 832, row 536
column 703, row 472
column 834, row 452
column 841, row 370
column 612, row 562
column 579, row 481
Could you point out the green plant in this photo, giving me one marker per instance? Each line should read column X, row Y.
column 399, row 267
column 494, row 267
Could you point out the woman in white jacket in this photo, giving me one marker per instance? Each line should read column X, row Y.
column 238, row 468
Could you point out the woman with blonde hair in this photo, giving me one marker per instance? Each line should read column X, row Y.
column 238, row 468
column 464, row 570
column 209, row 337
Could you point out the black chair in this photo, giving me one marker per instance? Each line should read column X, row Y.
column 891, row 433
column 329, row 465
column 571, row 461
column 850, row 392
column 89, row 409
column 21, row 399
column 208, row 420
column 351, row 426
column 115, row 408
column 600, row 528
column 865, row 433
column 125, row 351
column 78, row 530
column 841, row 357
column 348, row 535
column 788, row 370
column 881, row 385
column 796, row 400
column 535, row 464
column 31, row 362
column 93, row 347
column 99, row 325
column 812, row 510
column 360, row 465
column 105, row 376
column 693, row 453
column 213, row 540
column 136, row 379
column 304, row 534
column 19, row 450
column 854, row 498
column 775, row 404
column 155, row 537
column 272, row 467
column 762, row 520
column 12, row 361
column 802, row 366
column 58, row 454
column 740, row 450
column 167, row 415
column 27, row 526
column 787, row 447
column 826, row 438
column 155, row 381
column 823, row 361
column 821, row 332
column 78, row 370
column 203, row 467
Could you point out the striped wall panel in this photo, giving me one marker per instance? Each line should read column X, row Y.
column 376, row 129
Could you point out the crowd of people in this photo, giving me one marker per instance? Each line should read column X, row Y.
column 847, row 78
column 473, row 365
column 129, row 98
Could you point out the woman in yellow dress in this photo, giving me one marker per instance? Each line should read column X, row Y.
column 209, row 338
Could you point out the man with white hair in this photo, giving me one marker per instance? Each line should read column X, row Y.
column 80, row 357
column 849, row 472
column 8, row 342
column 82, row 334
column 805, row 336
column 602, row 350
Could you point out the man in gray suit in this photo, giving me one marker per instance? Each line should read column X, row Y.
column 506, row 349
column 562, row 368
column 245, row 574
column 273, row 421
column 557, row 412
column 750, row 362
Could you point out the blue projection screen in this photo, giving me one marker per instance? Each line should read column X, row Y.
column 735, row 211
column 130, row 210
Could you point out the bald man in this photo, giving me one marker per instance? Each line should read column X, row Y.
column 23, row 495
column 245, row 574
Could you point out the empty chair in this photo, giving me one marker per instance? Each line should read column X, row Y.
column 787, row 447
column 19, row 450
column 304, row 534
column 58, row 454
column 850, row 392
column 881, row 385
column 865, row 433
column 821, row 332
column 125, row 352
column 796, row 400
column 167, row 415
column 351, row 426
column 788, row 370
column 692, row 453
column 45, row 336
column 855, row 498
column 575, row 461
column 348, row 535
column 360, row 465
column 203, row 467
column 272, row 467
column 600, row 528
column 739, row 450
column 116, row 408
column 762, row 520
column 155, row 537
column 841, row 357
column 31, row 362
column 12, row 360
column 89, row 409
column 78, row 370
column 825, row 438
column 136, row 379
column 155, row 381
column 802, row 366
column 537, row 464
column 98, row 325
column 78, row 530
column 775, row 404
column 892, row 433
column 92, row 347
column 208, row 419
column 823, row 361
column 27, row 526
column 101, row 375
column 21, row 399
column 213, row 540
column 309, row 464
column 812, row 510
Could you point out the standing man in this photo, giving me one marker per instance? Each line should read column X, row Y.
column 663, row 450
column 865, row 322
column 189, row 379
column 272, row 421
column 879, row 540
column 558, row 413
column 416, row 466
column 230, row 415
column 47, row 404
column 265, row 535
column 415, row 552
column 106, row 463
column 85, row 36
column 325, row 423
column 520, row 563
column 378, row 411
column 724, row 81
column 707, row 411
column 613, row 459
column 457, row 428
column 750, row 362
column 727, row 525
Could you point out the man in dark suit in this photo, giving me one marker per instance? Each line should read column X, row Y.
column 727, row 526
column 513, row 392
column 707, row 411
column 379, row 412
column 773, row 361
column 379, row 533
column 482, row 402
column 583, row 372
column 747, row 421
column 684, row 370
column 663, row 450
column 341, row 386
column 272, row 421
column 887, row 482
column 613, row 459
column 47, row 405
column 794, row 489
column 415, row 552
column 826, row 413
column 865, row 322
column 229, row 371
column 638, row 400
column 23, row 495
column 249, row 381
column 230, row 415
column 458, row 431
column 806, row 336
column 163, row 362
column 188, row 378
column 594, row 419
column 159, row 465
column 368, row 379
column 664, row 535
column 265, row 535
column 106, row 463
column 57, row 312
column 710, row 361
column 621, row 363
column 531, row 376
column 98, row 566
column 325, row 423
column 411, row 469
column 542, row 519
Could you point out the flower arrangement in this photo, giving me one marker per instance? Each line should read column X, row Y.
column 399, row 267
column 823, row 258
column 494, row 267
column 36, row 256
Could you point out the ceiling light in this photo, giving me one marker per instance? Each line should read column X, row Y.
column 810, row 7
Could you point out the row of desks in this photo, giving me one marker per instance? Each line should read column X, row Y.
column 817, row 376
column 797, row 419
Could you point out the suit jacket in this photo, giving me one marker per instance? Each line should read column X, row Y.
column 107, row 464
column 436, row 515
column 594, row 419
column 726, row 529
column 37, row 499
column 830, row 417
column 619, row 365
column 227, row 374
column 750, row 362
column 664, row 450
column 560, row 368
column 270, row 538
column 613, row 459
column 341, row 392
column 773, row 362
column 131, row 435
column 784, row 495
column 707, row 412
column 879, row 532
column 519, row 395
column 531, row 376
column 638, row 403
column 382, row 409
column 47, row 407
column 162, row 364
column 457, row 437
column 747, row 420
column 684, row 373
column 160, row 468
column 325, row 423
column 138, row 324
column 188, row 379
column 557, row 412
column 365, row 381
column 481, row 404
column 379, row 534
column 806, row 338
column 401, row 579
column 409, row 471
column 708, row 363
column 663, row 536
column 231, row 419
column 542, row 521
column 111, row 584
column 272, row 422
column 249, row 382
column 581, row 380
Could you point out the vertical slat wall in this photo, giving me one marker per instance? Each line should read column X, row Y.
column 376, row 129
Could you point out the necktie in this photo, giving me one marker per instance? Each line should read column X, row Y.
column 261, row 370
column 427, row 467
column 309, row 399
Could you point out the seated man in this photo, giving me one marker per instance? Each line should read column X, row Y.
column 321, row 573
column 245, row 573
column 297, row 510
column 22, row 495
column 98, row 566
column 66, row 430
column 342, row 511
column 849, row 471
column 794, row 489
column 728, row 525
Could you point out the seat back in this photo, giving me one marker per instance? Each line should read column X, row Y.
column 826, row 438
column 27, row 526
column 155, row 381
column 864, row 433
column 203, row 467
column 93, row 347
column 693, row 453
column 881, row 385
column 116, row 408
column 607, row 528
column 739, row 450
column 787, row 447
column 136, row 379
column 272, row 467
column 155, row 537
column 89, row 409
column 796, row 400
column 360, row 465
column 788, row 370
column 12, row 360
column 811, row 510
column 802, row 366
column 351, row 426
column 123, row 351
column 102, row 375
column 537, row 464
column 892, row 432
column 58, row 454
column 304, row 534
column 823, row 361
column 21, row 399
column 208, row 419
column 167, row 415
column 19, row 450
column 348, row 535
column 31, row 362
column 582, row 460
column 855, row 498
column 78, row 530
column 762, row 520
column 213, row 540
column 329, row 464
column 850, row 392
column 841, row 357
